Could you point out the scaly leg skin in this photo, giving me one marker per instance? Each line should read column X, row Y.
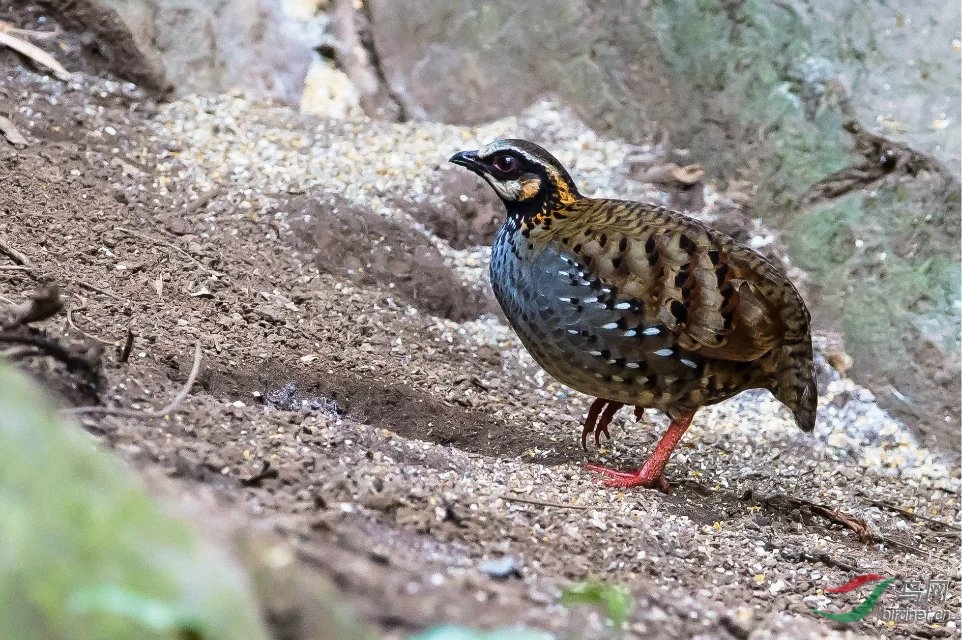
column 606, row 416
column 651, row 475
column 591, row 421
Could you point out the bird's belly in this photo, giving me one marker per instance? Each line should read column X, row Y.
column 564, row 322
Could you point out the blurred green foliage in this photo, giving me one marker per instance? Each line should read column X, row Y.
column 877, row 265
column 87, row 555
column 758, row 82
column 456, row 632
column 613, row 600
column 757, row 103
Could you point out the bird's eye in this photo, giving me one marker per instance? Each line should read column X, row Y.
column 505, row 166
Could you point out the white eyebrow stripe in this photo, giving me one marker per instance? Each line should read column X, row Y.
column 487, row 151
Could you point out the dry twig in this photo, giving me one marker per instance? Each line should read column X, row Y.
column 20, row 353
column 857, row 525
column 914, row 516
column 30, row 33
column 15, row 329
column 542, row 503
column 32, row 51
column 109, row 343
column 160, row 413
column 852, row 523
column 15, row 255
column 49, row 347
column 201, row 201
column 128, row 346
column 109, row 294
column 881, row 157
column 11, row 132
column 171, row 245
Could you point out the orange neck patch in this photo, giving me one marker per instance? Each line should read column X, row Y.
column 529, row 189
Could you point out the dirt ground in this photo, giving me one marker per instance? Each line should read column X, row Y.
column 360, row 399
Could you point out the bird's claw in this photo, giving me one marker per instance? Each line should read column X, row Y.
column 628, row 479
column 601, row 428
column 599, row 417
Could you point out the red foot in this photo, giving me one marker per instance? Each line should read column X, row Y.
column 628, row 479
column 651, row 475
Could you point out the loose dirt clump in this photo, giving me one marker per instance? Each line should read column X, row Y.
column 364, row 248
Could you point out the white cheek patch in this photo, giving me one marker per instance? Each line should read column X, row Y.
column 509, row 190
column 516, row 190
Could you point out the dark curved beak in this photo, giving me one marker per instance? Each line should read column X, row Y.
column 469, row 160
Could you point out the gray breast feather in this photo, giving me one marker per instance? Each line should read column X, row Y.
column 578, row 318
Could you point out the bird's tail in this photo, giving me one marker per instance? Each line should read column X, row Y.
column 795, row 383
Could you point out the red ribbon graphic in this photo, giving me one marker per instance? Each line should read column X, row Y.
column 855, row 583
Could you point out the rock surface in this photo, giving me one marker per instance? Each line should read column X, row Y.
column 206, row 46
column 468, row 62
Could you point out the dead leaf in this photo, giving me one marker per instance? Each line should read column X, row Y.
column 11, row 132
column 689, row 174
column 670, row 173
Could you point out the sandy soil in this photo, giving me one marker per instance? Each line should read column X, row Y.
column 360, row 398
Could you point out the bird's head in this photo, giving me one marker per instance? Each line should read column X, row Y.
column 527, row 178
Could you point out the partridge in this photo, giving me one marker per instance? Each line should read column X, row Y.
column 638, row 305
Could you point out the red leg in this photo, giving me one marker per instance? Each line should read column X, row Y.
column 593, row 424
column 590, row 421
column 605, row 420
column 651, row 475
